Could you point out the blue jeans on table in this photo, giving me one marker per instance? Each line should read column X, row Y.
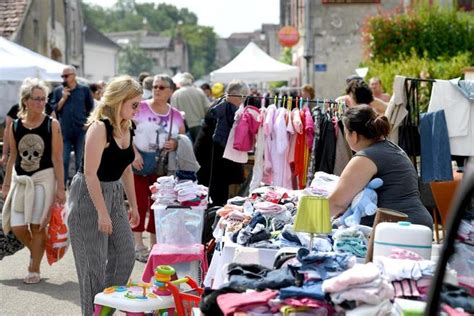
column 73, row 141
column 259, row 278
column 327, row 265
column 309, row 289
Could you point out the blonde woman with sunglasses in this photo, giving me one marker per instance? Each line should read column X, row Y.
column 99, row 223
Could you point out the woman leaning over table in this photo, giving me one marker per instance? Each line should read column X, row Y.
column 34, row 178
column 376, row 157
column 101, row 237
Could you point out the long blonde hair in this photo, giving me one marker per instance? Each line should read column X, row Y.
column 118, row 91
column 26, row 91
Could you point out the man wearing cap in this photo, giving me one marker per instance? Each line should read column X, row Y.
column 192, row 101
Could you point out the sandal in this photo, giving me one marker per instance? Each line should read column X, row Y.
column 32, row 278
column 142, row 255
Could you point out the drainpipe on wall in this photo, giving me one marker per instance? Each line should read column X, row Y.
column 308, row 42
column 66, row 31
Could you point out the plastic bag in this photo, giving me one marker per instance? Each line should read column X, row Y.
column 57, row 240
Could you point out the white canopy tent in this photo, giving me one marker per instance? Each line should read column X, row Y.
column 254, row 65
column 18, row 62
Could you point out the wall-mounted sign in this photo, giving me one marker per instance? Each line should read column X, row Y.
column 320, row 67
column 288, row 36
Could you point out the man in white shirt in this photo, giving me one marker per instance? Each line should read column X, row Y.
column 192, row 101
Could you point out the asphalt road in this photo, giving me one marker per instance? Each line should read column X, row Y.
column 56, row 294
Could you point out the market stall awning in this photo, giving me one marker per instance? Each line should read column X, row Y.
column 254, row 65
column 18, row 62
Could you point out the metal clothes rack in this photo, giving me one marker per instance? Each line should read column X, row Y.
column 409, row 136
column 267, row 98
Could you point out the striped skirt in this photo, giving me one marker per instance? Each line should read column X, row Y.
column 101, row 260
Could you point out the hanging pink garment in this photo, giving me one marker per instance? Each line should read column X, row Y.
column 229, row 151
column 246, row 129
column 308, row 127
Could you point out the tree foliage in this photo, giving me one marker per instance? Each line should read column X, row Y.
column 128, row 15
column 428, row 31
column 133, row 60
column 427, row 41
column 414, row 66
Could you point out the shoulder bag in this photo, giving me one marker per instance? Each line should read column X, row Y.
column 162, row 154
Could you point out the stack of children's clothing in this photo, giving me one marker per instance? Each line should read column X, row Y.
column 362, row 284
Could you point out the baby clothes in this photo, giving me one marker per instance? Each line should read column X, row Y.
column 358, row 274
column 398, row 253
column 257, row 173
column 350, row 240
column 323, row 265
column 246, row 129
column 232, row 302
column 229, row 151
column 269, row 208
column 399, row 269
column 367, row 295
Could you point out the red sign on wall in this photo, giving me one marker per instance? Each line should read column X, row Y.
column 288, row 36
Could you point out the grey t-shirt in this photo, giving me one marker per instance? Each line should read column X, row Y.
column 400, row 183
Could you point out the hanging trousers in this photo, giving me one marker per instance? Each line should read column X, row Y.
column 101, row 260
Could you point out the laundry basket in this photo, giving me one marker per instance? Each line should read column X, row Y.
column 186, row 300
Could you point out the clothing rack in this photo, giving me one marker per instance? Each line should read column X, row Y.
column 410, row 125
column 314, row 101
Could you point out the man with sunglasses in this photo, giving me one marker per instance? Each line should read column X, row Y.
column 72, row 103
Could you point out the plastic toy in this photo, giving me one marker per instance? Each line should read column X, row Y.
column 138, row 298
column 163, row 274
column 363, row 204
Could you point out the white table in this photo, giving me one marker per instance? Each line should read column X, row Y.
column 231, row 252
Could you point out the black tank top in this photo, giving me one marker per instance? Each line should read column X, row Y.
column 34, row 147
column 114, row 160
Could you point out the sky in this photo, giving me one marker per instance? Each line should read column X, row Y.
column 226, row 16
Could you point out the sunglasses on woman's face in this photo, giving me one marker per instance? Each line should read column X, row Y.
column 160, row 87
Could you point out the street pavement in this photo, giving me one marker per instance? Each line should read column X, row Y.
column 56, row 294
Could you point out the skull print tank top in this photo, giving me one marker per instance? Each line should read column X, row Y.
column 34, row 147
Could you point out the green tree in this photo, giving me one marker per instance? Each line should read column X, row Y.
column 199, row 40
column 437, row 42
column 166, row 19
column 285, row 57
column 134, row 60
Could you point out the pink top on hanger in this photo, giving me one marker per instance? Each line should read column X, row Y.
column 246, row 129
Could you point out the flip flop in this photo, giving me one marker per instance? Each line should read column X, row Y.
column 32, row 278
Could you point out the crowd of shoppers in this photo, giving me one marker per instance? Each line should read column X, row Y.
column 118, row 132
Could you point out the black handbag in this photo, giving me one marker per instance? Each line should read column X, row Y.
column 162, row 154
column 9, row 244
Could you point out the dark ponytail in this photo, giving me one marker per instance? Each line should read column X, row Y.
column 364, row 121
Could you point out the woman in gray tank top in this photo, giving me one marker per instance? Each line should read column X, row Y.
column 377, row 157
